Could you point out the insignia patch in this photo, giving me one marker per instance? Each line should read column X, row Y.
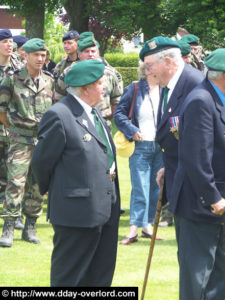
column 87, row 137
column 152, row 45
column 85, row 123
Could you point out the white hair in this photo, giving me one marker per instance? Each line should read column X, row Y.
column 141, row 70
column 174, row 53
column 74, row 90
column 212, row 74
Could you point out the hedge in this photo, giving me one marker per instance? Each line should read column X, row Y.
column 128, row 74
column 122, row 59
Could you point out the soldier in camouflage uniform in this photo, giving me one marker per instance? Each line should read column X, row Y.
column 88, row 49
column 70, row 40
column 8, row 62
column 25, row 95
column 197, row 59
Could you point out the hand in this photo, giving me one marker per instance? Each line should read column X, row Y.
column 218, row 208
column 160, row 176
column 137, row 136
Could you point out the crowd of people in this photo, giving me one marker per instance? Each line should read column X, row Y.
column 55, row 138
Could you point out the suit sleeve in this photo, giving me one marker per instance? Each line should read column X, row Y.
column 52, row 139
column 122, row 111
column 196, row 150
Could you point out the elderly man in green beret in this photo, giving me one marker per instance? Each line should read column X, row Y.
column 162, row 59
column 25, row 95
column 75, row 162
column 198, row 192
column 88, row 48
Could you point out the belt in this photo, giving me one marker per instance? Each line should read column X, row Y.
column 113, row 176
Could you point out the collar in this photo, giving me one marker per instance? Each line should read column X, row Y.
column 85, row 106
column 219, row 92
column 173, row 81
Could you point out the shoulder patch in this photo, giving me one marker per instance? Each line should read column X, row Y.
column 11, row 72
column 48, row 73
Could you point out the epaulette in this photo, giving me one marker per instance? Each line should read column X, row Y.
column 11, row 72
column 48, row 73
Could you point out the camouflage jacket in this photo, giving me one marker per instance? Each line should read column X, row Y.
column 113, row 91
column 25, row 103
column 61, row 66
column 14, row 64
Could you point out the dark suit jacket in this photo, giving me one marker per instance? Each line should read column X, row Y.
column 70, row 162
column 189, row 78
column 200, row 177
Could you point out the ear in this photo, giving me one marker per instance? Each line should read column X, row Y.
column 168, row 60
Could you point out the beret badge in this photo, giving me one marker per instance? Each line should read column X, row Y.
column 152, row 45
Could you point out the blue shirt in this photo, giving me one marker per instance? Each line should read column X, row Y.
column 219, row 92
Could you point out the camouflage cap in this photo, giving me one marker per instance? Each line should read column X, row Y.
column 87, row 42
column 216, row 60
column 86, row 34
column 185, row 48
column 191, row 39
column 71, row 35
column 34, row 45
column 5, row 34
column 157, row 44
column 20, row 40
column 84, row 73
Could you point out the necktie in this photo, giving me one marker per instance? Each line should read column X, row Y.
column 165, row 97
column 99, row 128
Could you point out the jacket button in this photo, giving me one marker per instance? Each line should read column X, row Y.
column 107, row 172
column 108, row 193
column 105, row 150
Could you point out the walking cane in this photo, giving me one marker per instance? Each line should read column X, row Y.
column 156, row 223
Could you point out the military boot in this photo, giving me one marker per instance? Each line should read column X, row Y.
column 29, row 231
column 7, row 233
column 19, row 223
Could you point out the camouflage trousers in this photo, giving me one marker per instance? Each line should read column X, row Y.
column 22, row 193
column 3, row 169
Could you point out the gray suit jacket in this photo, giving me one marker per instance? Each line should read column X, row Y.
column 70, row 162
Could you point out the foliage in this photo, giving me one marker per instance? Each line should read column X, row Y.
column 128, row 74
column 205, row 19
column 122, row 60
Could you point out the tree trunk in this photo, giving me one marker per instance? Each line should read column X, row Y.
column 76, row 12
column 35, row 23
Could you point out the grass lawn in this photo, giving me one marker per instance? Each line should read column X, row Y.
column 26, row 264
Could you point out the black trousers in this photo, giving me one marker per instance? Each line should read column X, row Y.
column 85, row 256
column 201, row 260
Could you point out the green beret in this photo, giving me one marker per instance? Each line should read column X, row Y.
column 185, row 48
column 157, row 44
column 87, row 42
column 34, row 45
column 86, row 34
column 84, row 73
column 216, row 60
column 190, row 39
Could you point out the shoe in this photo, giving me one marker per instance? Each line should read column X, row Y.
column 128, row 240
column 7, row 233
column 19, row 223
column 29, row 231
column 165, row 223
column 149, row 236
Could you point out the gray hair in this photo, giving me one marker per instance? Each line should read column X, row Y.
column 141, row 70
column 74, row 90
column 174, row 53
column 212, row 74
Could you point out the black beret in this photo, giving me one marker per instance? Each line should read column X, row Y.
column 71, row 35
column 20, row 40
column 5, row 34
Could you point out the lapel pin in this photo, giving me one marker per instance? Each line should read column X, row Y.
column 169, row 110
column 87, row 137
column 85, row 123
